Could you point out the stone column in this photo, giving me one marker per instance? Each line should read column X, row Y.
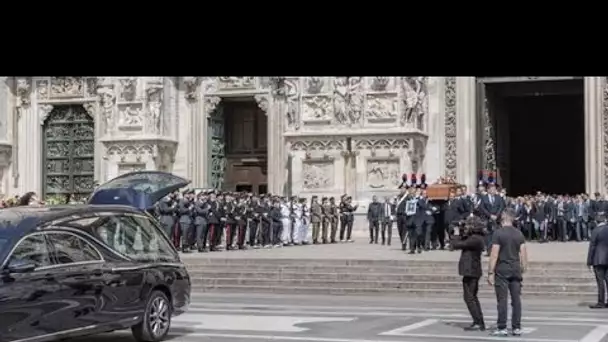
column 28, row 180
column 436, row 129
column 209, row 104
column 273, row 108
column 594, row 144
column 193, row 168
column 466, row 131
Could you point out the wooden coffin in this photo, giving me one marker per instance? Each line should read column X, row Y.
column 440, row 191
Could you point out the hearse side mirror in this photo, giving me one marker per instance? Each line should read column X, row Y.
column 19, row 267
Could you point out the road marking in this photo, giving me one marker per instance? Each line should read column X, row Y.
column 329, row 339
column 203, row 305
column 596, row 335
column 252, row 323
column 483, row 338
column 401, row 314
column 407, row 328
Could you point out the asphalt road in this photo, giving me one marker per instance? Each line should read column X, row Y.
column 232, row 318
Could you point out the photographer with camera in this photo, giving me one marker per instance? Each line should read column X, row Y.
column 469, row 239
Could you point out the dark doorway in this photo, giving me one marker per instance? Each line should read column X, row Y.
column 244, row 188
column 545, row 146
column 246, row 144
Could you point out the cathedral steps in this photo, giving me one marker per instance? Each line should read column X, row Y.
column 372, row 277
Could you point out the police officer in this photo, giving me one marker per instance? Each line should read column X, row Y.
column 184, row 210
column 374, row 212
column 201, row 209
column 316, row 216
column 214, row 215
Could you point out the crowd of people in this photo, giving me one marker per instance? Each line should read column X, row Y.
column 213, row 220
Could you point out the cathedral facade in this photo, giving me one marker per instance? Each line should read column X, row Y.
column 313, row 135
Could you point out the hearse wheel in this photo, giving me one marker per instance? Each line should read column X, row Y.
column 156, row 321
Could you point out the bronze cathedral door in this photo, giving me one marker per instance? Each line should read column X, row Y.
column 68, row 153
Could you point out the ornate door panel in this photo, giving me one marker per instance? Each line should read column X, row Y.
column 217, row 149
column 68, row 152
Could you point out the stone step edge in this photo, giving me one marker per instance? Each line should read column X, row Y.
column 239, row 289
column 198, row 273
column 356, row 267
column 382, row 281
column 353, row 262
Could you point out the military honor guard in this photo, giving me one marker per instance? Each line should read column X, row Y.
column 316, row 216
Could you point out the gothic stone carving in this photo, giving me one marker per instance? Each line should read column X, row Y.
column 209, row 84
column 415, row 101
column 124, row 168
column 605, row 124
column 488, row 136
column 381, row 107
column 191, row 84
column 91, row 85
column 42, row 89
column 130, row 152
column 107, row 99
column 131, row 116
column 128, row 88
column 450, row 127
column 348, row 100
column 154, row 100
column 262, row 101
column 229, row 82
column 23, row 90
column 320, row 148
column 318, row 175
column 67, row 87
column 379, row 83
column 292, row 93
column 355, row 99
column 391, row 145
column 340, row 99
column 43, row 112
column 314, row 85
column 316, row 108
column 210, row 103
column 383, row 173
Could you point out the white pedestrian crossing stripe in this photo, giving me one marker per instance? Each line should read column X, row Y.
column 252, row 323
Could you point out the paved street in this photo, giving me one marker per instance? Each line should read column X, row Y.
column 231, row 318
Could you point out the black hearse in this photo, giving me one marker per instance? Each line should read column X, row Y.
column 69, row 271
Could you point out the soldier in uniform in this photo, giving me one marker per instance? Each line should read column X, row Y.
column 305, row 221
column 214, row 215
column 254, row 216
column 325, row 219
column 334, row 219
column 240, row 217
column 342, row 217
column 184, row 210
column 230, row 222
column 166, row 211
column 277, row 224
column 267, row 226
column 286, row 235
column 374, row 216
column 316, row 215
column 297, row 213
column 349, row 216
column 201, row 209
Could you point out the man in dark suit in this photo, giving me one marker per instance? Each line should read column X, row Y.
column 597, row 257
column 388, row 217
column 452, row 214
column 472, row 244
column 491, row 207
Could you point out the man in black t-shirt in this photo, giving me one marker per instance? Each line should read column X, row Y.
column 508, row 262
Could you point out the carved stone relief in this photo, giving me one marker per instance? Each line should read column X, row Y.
column 314, row 85
column 340, row 99
column 262, row 101
column 324, row 148
column 381, row 107
column 67, row 86
column 23, row 90
column 292, row 94
column 348, row 100
column 379, row 83
column 124, row 168
column 488, row 137
column 107, row 100
column 130, row 152
column 43, row 112
column 450, row 127
column 128, row 89
column 605, row 126
column 355, row 99
column 316, row 108
column 391, row 145
column 154, row 99
column 230, row 82
column 383, row 173
column 130, row 116
column 318, row 175
column 191, row 85
column 209, row 84
column 415, row 101
column 42, row 89
column 211, row 103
